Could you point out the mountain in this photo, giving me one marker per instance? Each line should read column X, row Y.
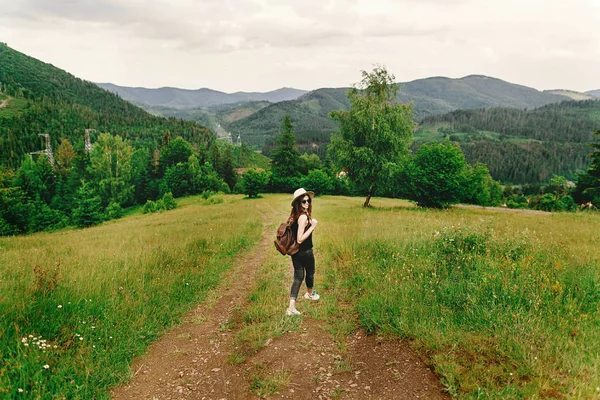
column 573, row 95
column 521, row 146
column 439, row 94
column 431, row 96
column 595, row 93
column 200, row 98
column 39, row 98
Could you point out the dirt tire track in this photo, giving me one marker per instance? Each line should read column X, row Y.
column 190, row 361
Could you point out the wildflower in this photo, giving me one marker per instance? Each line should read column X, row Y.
column 20, row 390
column 26, row 344
column 46, row 366
column 59, row 306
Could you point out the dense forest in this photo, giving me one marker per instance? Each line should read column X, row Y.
column 50, row 177
column 56, row 103
column 521, row 146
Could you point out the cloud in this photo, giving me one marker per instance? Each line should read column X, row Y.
column 231, row 42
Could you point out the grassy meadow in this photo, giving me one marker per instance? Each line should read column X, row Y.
column 505, row 305
column 78, row 305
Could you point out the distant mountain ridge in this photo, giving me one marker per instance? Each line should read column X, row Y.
column 595, row 93
column 199, row 98
column 430, row 96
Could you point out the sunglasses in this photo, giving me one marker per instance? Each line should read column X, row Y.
column 306, row 201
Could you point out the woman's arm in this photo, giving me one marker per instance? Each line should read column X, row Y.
column 302, row 221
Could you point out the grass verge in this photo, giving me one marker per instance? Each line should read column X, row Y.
column 79, row 305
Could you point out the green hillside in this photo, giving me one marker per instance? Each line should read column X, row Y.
column 429, row 96
column 45, row 99
column 521, row 146
column 309, row 115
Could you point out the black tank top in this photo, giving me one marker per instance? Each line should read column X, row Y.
column 307, row 244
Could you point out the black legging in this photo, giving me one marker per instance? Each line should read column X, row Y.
column 303, row 261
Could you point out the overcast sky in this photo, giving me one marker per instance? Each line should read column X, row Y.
column 261, row 45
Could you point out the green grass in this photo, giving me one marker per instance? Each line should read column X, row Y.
column 506, row 306
column 98, row 296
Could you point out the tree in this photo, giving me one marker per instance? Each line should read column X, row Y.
column 110, row 168
column 89, row 207
column 437, row 175
column 588, row 184
column 285, row 159
column 318, row 181
column 227, row 172
column 64, row 157
column 480, row 188
column 175, row 151
column 375, row 130
column 254, row 182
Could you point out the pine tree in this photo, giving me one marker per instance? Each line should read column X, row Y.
column 285, row 159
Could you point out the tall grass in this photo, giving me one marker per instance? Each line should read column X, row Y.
column 507, row 305
column 78, row 305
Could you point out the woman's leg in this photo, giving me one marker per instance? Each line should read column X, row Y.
column 309, row 266
column 298, row 278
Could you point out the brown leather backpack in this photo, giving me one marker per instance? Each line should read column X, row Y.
column 285, row 240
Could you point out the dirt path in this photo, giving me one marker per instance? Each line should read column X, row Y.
column 191, row 361
column 4, row 103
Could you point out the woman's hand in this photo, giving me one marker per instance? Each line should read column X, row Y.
column 313, row 222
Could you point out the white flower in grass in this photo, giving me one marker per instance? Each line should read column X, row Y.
column 46, row 366
column 59, row 306
column 26, row 344
column 20, row 390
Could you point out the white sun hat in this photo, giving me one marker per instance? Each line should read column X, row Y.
column 302, row 192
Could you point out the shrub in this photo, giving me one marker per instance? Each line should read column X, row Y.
column 254, row 182
column 169, row 201
column 166, row 203
column 437, row 175
column 516, row 201
column 318, row 181
column 113, row 211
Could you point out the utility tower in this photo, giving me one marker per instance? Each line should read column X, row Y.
column 47, row 151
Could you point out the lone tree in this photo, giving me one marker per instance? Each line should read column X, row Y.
column 285, row 159
column 374, row 132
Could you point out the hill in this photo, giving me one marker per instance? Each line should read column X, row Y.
column 199, row 98
column 521, row 146
column 573, row 95
column 41, row 98
column 429, row 96
column 595, row 93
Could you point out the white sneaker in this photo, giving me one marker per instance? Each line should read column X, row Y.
column 292, row 311
column 313, row 296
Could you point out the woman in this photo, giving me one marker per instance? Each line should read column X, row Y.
column 303, row 260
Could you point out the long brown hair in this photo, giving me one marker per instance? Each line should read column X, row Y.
column 297, row 210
